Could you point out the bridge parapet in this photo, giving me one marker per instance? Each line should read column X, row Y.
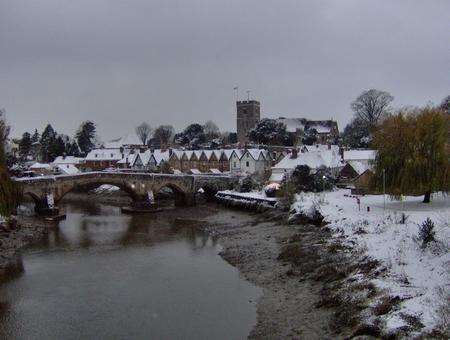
column 137, row 185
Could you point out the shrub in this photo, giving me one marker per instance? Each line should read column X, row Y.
column 426, row 232
column 247, row 184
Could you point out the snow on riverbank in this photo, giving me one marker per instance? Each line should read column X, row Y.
column 257, row 195
column 419, row 276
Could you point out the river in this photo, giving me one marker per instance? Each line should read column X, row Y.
column 105, row 275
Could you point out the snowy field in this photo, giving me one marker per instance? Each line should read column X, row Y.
column 419, row 275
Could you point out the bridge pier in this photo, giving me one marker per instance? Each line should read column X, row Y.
column 185, row 200
column 42, row 208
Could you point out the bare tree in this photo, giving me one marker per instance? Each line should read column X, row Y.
column 371, row 106
column 211, row 130
column 445, row 105
column 165, row 134
column 144, row 132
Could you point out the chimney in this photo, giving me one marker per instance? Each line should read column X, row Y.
column 294, row 154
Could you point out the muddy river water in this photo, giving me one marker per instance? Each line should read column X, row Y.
column 105, row 275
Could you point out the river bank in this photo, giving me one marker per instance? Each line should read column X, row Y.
column 28, row 231
column 284, row 260
column 254, row 243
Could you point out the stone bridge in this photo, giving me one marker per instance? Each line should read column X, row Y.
column 47, row 191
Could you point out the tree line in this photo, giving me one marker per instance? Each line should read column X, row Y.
column 49, row 144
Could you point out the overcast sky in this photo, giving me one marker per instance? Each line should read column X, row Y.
column 119, row 63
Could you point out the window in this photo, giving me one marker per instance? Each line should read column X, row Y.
column 96, row 155
column 247, row 164
column 234, row 164
column 112, row 155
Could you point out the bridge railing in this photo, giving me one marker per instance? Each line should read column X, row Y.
column 118, row 174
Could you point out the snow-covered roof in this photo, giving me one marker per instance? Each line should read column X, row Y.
column 195, row 171
column 352, row 155
column 312, row 159
column 68, row 169
column 158, row 155
column 255, row 153
column 320, row 128
column 38, row 165
column 215, row 171
column 104, row 154
column 292, row 124
column 321, row 147
column 177, row 172
column 67, row 160
column 358, row 166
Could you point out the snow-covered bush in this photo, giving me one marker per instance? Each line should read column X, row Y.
column 426, row 232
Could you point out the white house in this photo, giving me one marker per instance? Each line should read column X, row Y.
column 319, row 157
column 64, row 160
column 250, row 161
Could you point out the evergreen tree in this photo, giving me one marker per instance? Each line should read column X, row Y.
column 356, row 134
column 57, row 148
column 270, row 132
column 412, row 153
column 25, row 145
column 192, row 135
column 310, row 137
column 72, row 149
column 85, row 137
column 48, row 140
column 36, row 137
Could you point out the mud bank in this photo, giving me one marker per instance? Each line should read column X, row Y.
column 28, row 230
column 254, row 243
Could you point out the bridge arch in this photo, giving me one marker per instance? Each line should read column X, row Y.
column 181, row 195
column 94, row 184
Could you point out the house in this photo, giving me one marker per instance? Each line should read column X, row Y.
column 41, row 169
column 255, row 161
column 351, row 170
column 362, row 182
column 223, row 160
column 65, row 160
column 318, row 157
column 326, row 130
column 67, row 169
column 366, row 157
column 101, row 159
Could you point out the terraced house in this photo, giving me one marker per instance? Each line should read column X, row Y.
column 215, row 161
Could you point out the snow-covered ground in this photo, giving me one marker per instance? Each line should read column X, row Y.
column 258, row 195
column 421, row 276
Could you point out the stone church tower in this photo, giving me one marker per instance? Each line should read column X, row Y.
column 248, row 115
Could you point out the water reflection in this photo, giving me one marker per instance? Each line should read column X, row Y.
column 102, row 274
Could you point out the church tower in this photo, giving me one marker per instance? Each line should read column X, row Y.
column 248, row 115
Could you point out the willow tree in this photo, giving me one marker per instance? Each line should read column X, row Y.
column 413, row 153
column 9, row 191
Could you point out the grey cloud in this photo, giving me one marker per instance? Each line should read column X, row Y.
column 122, row 62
